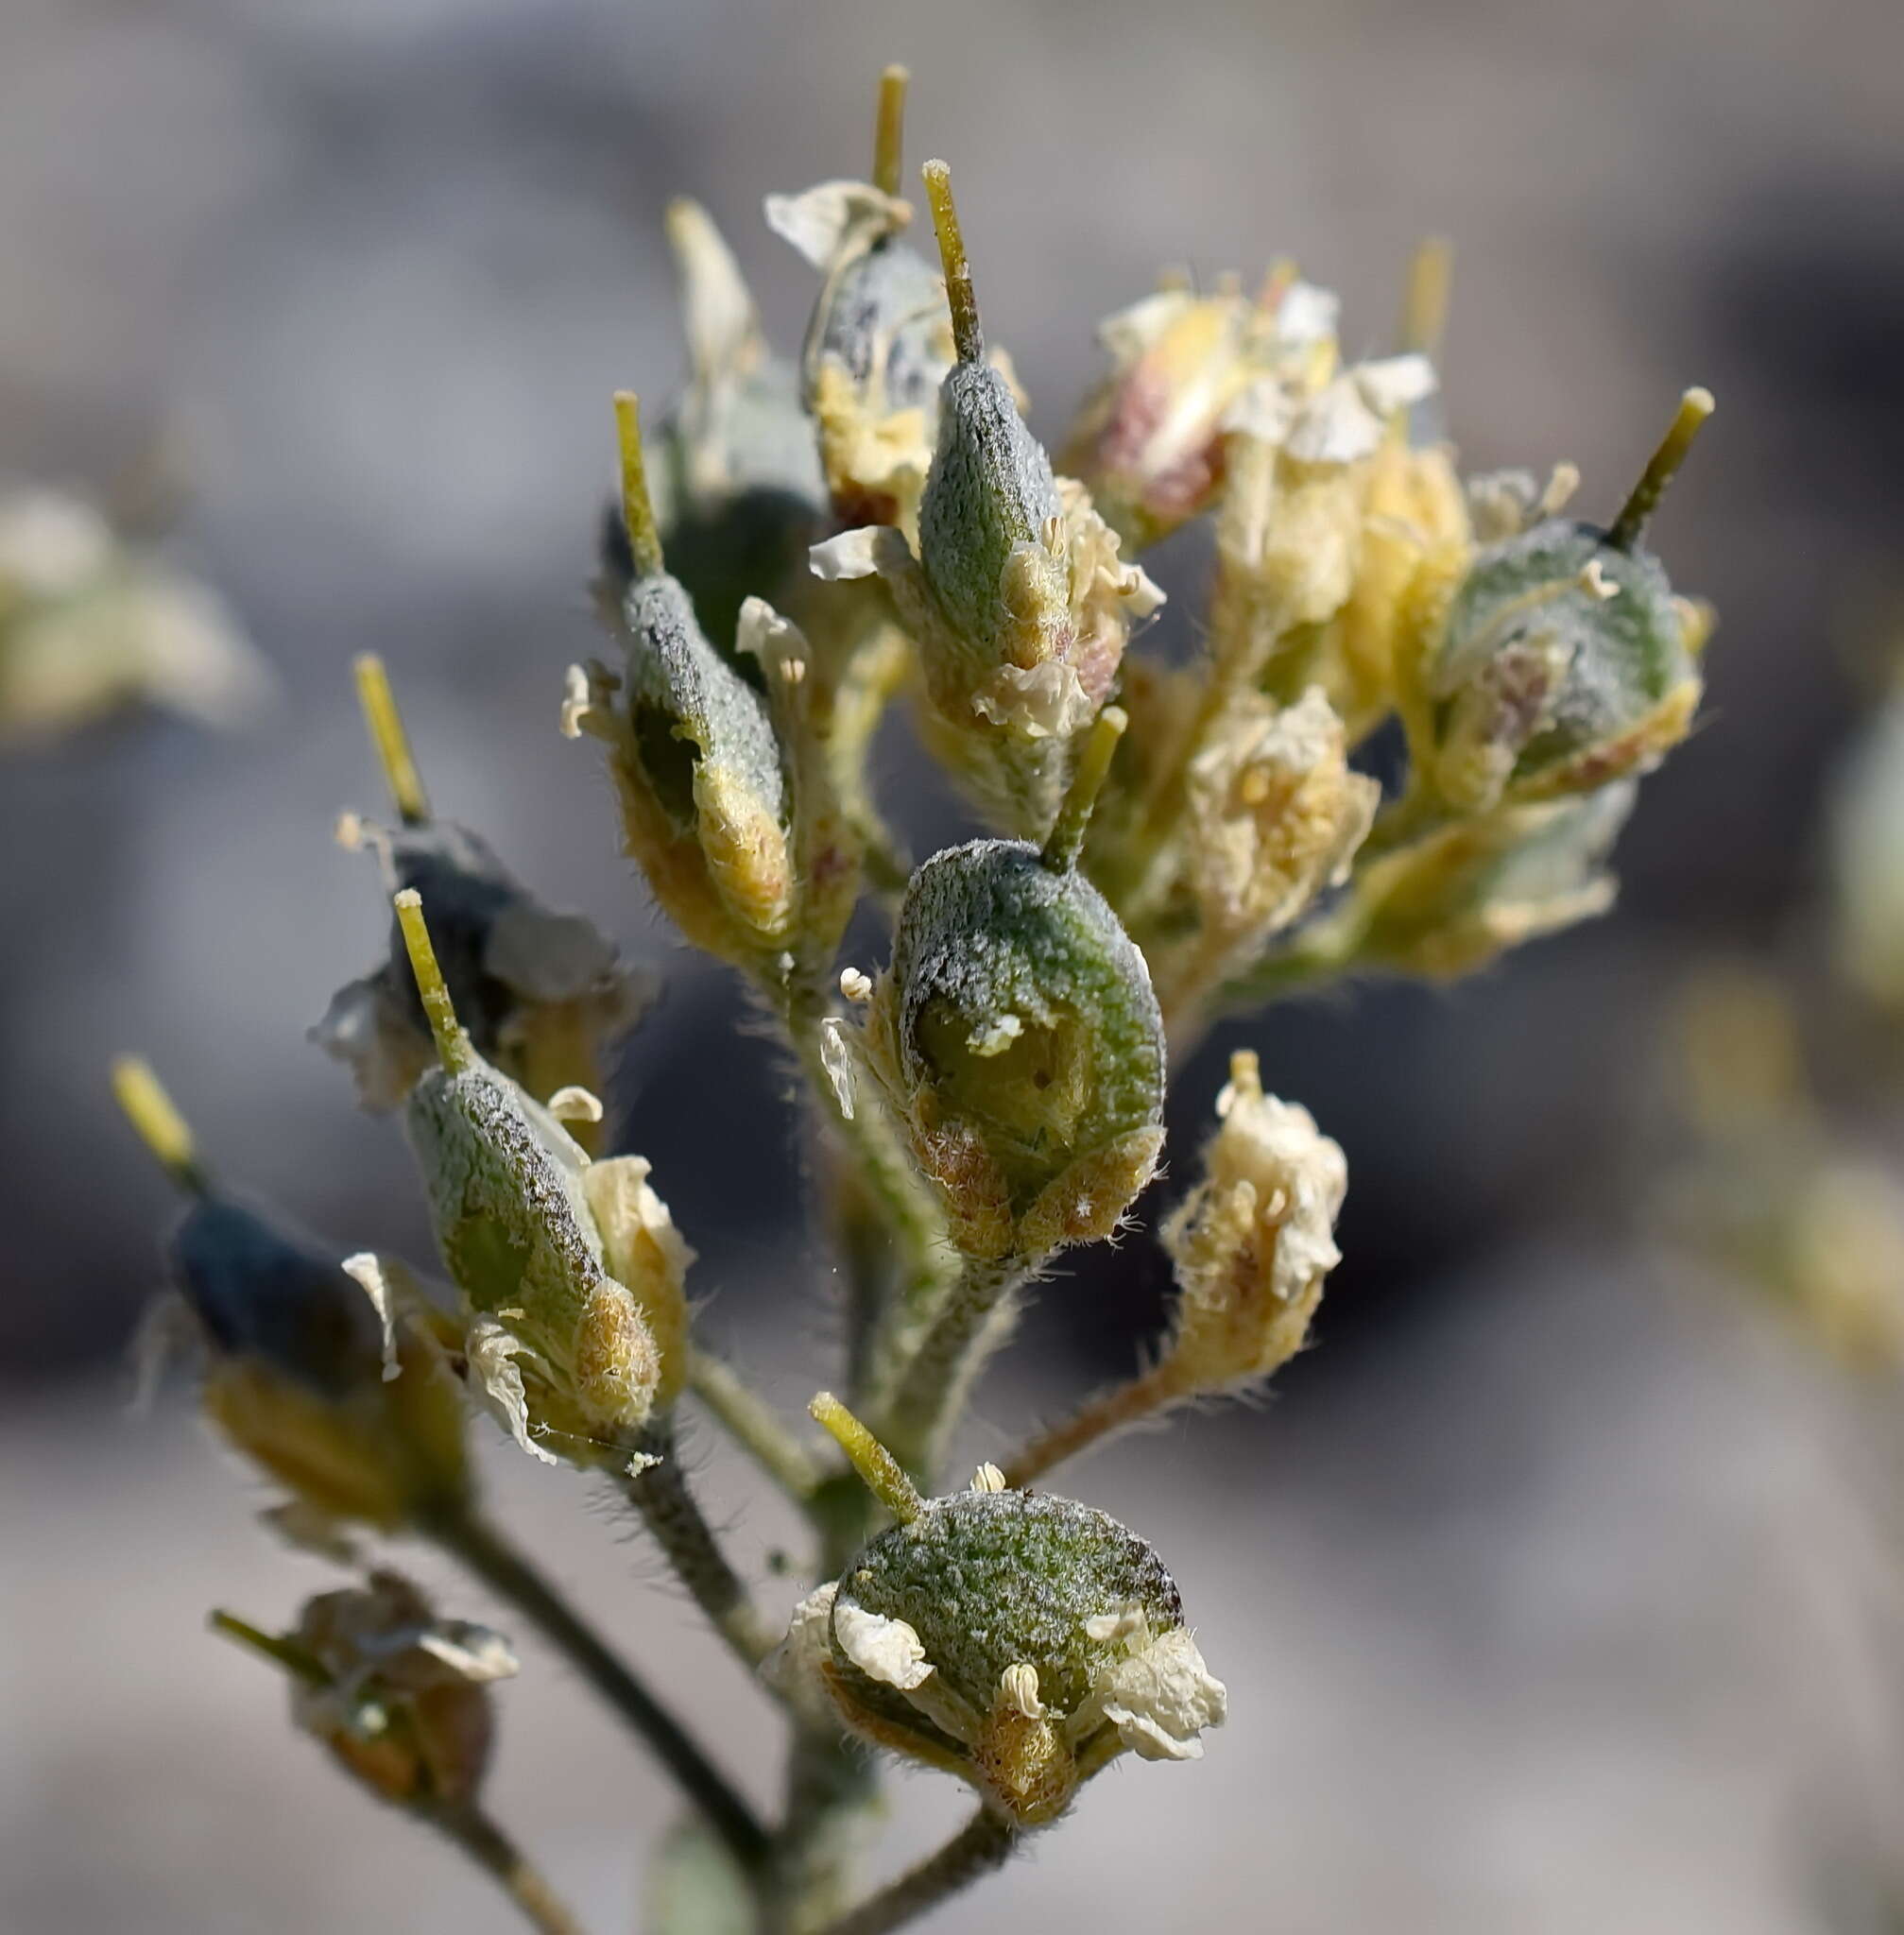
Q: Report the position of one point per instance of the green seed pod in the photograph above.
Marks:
(703, 795)
(1018, 600)
(571, 1271)
(353, 1417)
(1020, 1641)
(1017, 1034)
(1564, 661)
(399, 1696)
(542, 994)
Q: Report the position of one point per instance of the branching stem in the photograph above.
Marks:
(477, 1545)
(498, 1857)
(984, 1843)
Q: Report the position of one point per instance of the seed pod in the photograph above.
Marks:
(1564, 661)
(1018, 600)
(1018, 1034)
(399, 1696)
(570, 1353)
(1020, 1641)
(353, 1417)
(879, 343)
(738, 493)
(1452, 902)
(542, 994)
(704, 799)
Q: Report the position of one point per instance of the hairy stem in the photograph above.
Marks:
(984, 1843)
(498, 1857)
(931, 1389)
(486, 1553)
(1098, 1417)
(880, 1178)
(754, 1425)
(659, 1493)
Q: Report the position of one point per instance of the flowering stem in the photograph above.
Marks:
(477, 1545)
(1098, 1417)
(931, 1389)
(754, 1425)
(984, 1843)
(879, 1175)
(494, 1853)
(659, 1493)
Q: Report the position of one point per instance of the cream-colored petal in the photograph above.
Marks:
(1161, 1698)
(885, 1649)
(491, 1351)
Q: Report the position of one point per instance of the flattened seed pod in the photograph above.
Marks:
(570, 1354)
(353, 1415)
(1020, 1641)
(1564, 659)
(1018, 1033)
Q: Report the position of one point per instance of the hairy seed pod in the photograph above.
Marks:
(1016, 1640)
(533, 1233)
(1564, 659)
(1019, 1034)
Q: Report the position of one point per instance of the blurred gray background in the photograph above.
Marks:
(1546, 1590)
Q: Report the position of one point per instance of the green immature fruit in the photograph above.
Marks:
(697, 764)
(1564, 659)
(571, 1271)
(1018, 1640)
(1018, 1033)
(353, 1415)
(542, 994)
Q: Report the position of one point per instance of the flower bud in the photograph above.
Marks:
(542, 994)
(572, 1273)
(399, 1697)
(1253, 1242)
(1019, 1037)
(353, 1415)
(1017, 598)
(1452, 902)
(1564, 659)
(696, 765)
(1020, 1641)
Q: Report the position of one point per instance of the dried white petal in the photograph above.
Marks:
(988, 1478)
(365, 1269)
(835, 218)
(491, 1351)
(794, 1668)
(1308, 314)
(872, 551)
(885, 1649)
(837, 1058)
(574, 1105)
(1160, 1699)
(473, 1652)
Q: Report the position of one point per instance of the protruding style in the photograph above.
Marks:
(1695, 407)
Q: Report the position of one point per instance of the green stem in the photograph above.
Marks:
(477, 1545)
(754, 1425)
(1098, 1417)
(498, 1857)
(869, 1148)
(659, 1493)
(984, 1843)
(931, 1389)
